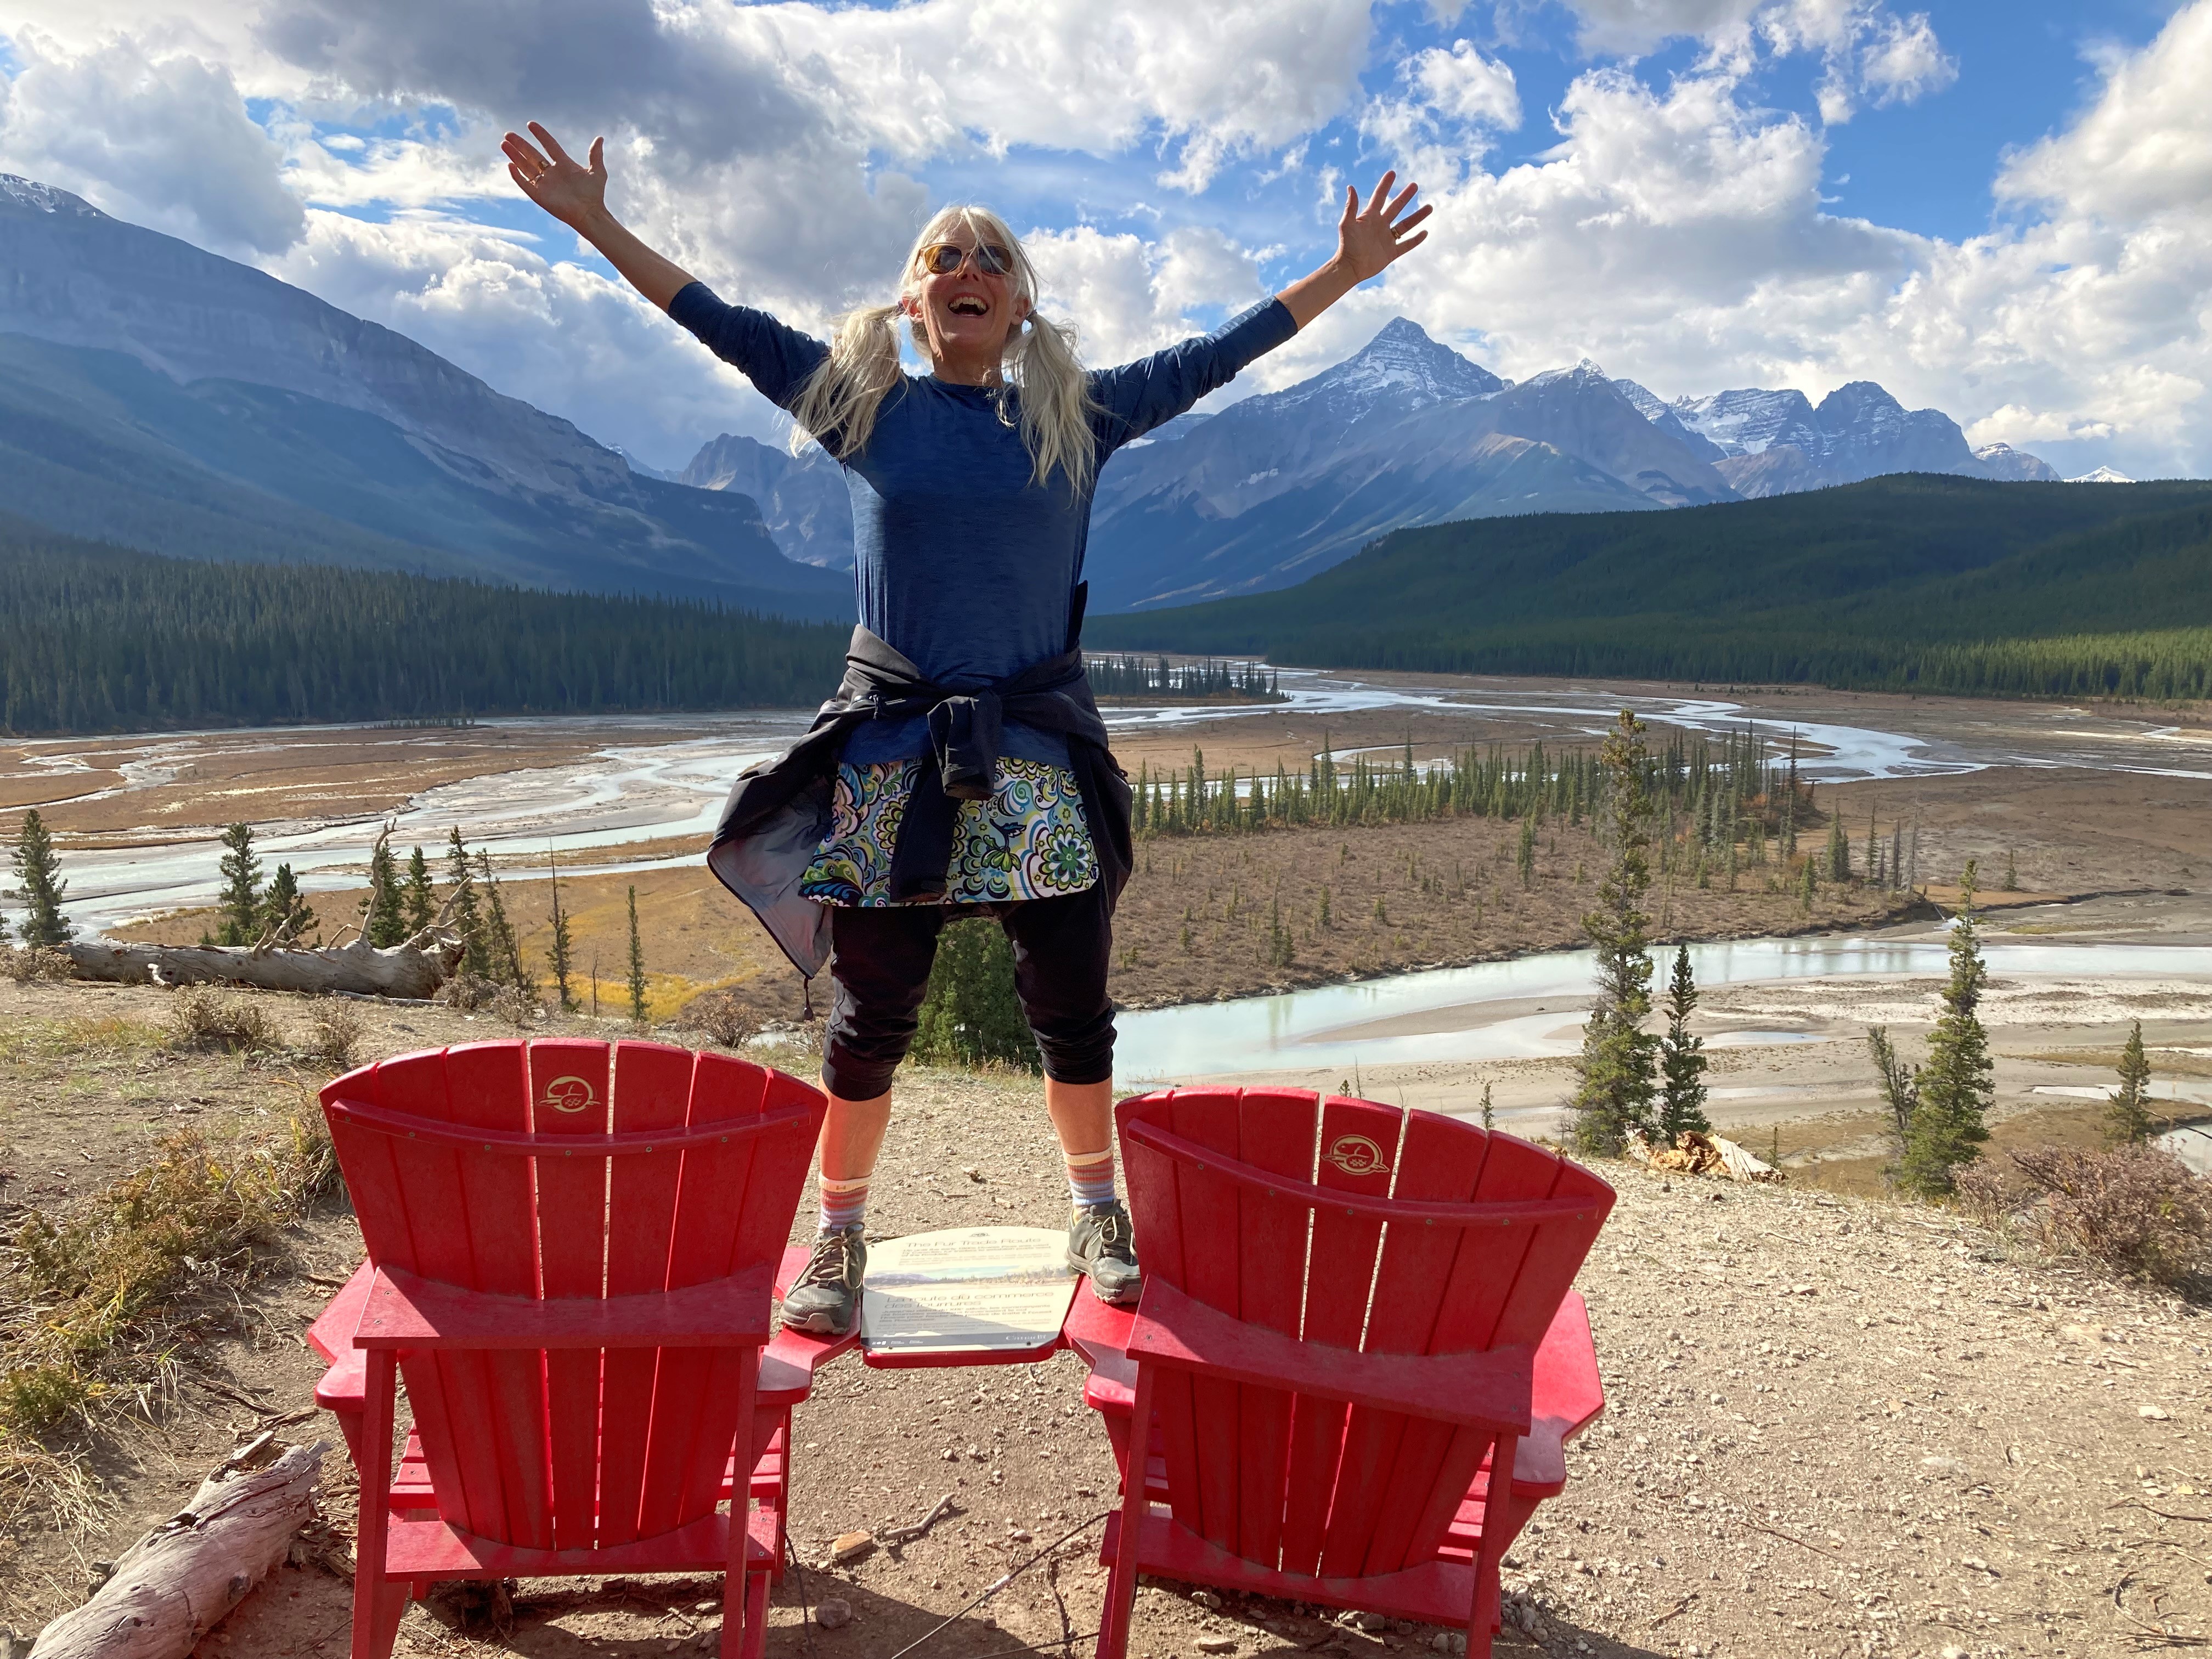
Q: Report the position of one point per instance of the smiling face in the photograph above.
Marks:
(968, 315)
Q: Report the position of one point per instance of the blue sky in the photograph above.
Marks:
(1998, 211)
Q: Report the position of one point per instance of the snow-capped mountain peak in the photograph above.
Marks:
(1744, 421)
(1402, 364)
(42, 199)
(2103, 475)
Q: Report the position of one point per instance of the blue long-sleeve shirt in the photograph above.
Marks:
(962, 561)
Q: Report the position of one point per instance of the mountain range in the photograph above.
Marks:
(159, 397)
(1408, 431)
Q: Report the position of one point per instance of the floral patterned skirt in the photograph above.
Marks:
(1029, 841)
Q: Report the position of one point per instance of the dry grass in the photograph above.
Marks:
(200, 1017)
(92, 1295)
(57, 1039)
(332, 1034)
(26, 962)
(2163, 1062)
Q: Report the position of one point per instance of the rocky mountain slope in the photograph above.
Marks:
(157, 395)
(1406, 432)
(803, 499)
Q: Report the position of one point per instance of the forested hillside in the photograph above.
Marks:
(94, 638)
(1935, 583)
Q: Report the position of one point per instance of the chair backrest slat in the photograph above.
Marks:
(652, 1096)
(572, 1449)
(711, 1196)
(488, 1087)
(1441, 1254)
(1389, 1459)
(1356, 1153)
(1275, 1132)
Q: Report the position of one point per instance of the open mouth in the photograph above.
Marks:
(968, 305)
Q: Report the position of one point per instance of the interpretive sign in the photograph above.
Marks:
(969, 1290)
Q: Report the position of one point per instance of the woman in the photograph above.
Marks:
(961, 764)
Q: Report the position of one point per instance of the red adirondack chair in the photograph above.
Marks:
(570, 1251)
(1354, 1316)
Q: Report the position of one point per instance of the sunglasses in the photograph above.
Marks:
(943, 258)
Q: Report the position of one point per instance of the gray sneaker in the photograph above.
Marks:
(1100, 1242)
(827, 1297)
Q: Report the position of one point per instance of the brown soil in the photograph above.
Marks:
(1836, 1427)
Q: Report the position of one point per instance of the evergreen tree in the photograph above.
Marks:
(2012, 871)
(387, 923)
(418, 899)
(1839, 850)
(1681, 1057)
(506, 950)
(970, 1015)
(2127, 1118)
(282, 909)
(1805, 888)
(561, 953)
(1525, 857)
(241, 888)
(1613, 1094)
(1956, 1085)
(1489, 1116)
(1900, 1084)
(476, 947)
(637, 964)
(39, 884)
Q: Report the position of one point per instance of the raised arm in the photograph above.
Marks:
(1368, 239)
(777, 359)
(1140, 396)
(576, 195)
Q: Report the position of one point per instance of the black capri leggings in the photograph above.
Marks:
(882, 955)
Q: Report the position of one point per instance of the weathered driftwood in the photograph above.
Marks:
(177, 1582)
(415, 968)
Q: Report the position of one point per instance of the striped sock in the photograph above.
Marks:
(1091, 1178)
(842, 1204)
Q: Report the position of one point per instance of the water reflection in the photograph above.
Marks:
(1446, 1013)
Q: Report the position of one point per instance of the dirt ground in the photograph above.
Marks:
(1837, 1427)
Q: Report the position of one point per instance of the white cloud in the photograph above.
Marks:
(1463, 85)
(1868, 51)
(556, 335)
(160, 138)
(1677, 236)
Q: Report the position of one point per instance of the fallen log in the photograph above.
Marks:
(415, 970)
(176, 1583)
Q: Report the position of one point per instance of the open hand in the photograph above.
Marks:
(1368, 238)
(571, 192)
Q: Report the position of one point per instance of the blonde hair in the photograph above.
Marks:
(838, 405)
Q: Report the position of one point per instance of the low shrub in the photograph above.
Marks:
(332, 1034)
(24, 962)
(2134, 1208)
(721, 1018)
(201, 1018)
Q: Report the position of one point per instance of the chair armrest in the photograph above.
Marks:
(1492, 1387)
(332, 1334)
(404, 1312)
(1567, 1398)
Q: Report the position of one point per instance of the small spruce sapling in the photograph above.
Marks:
(386, 921)
(418, 899)
(1682, 1058)
(2127, 1115)
(560, 953)
(284, 913)
(466, 914)
(241, 887)
(39, 884)
(637, 1005)
(1957, 1085)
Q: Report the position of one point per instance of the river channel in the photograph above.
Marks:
(644, 786)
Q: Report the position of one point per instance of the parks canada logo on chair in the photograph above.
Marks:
(569, 1094)
(1356, 1155)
